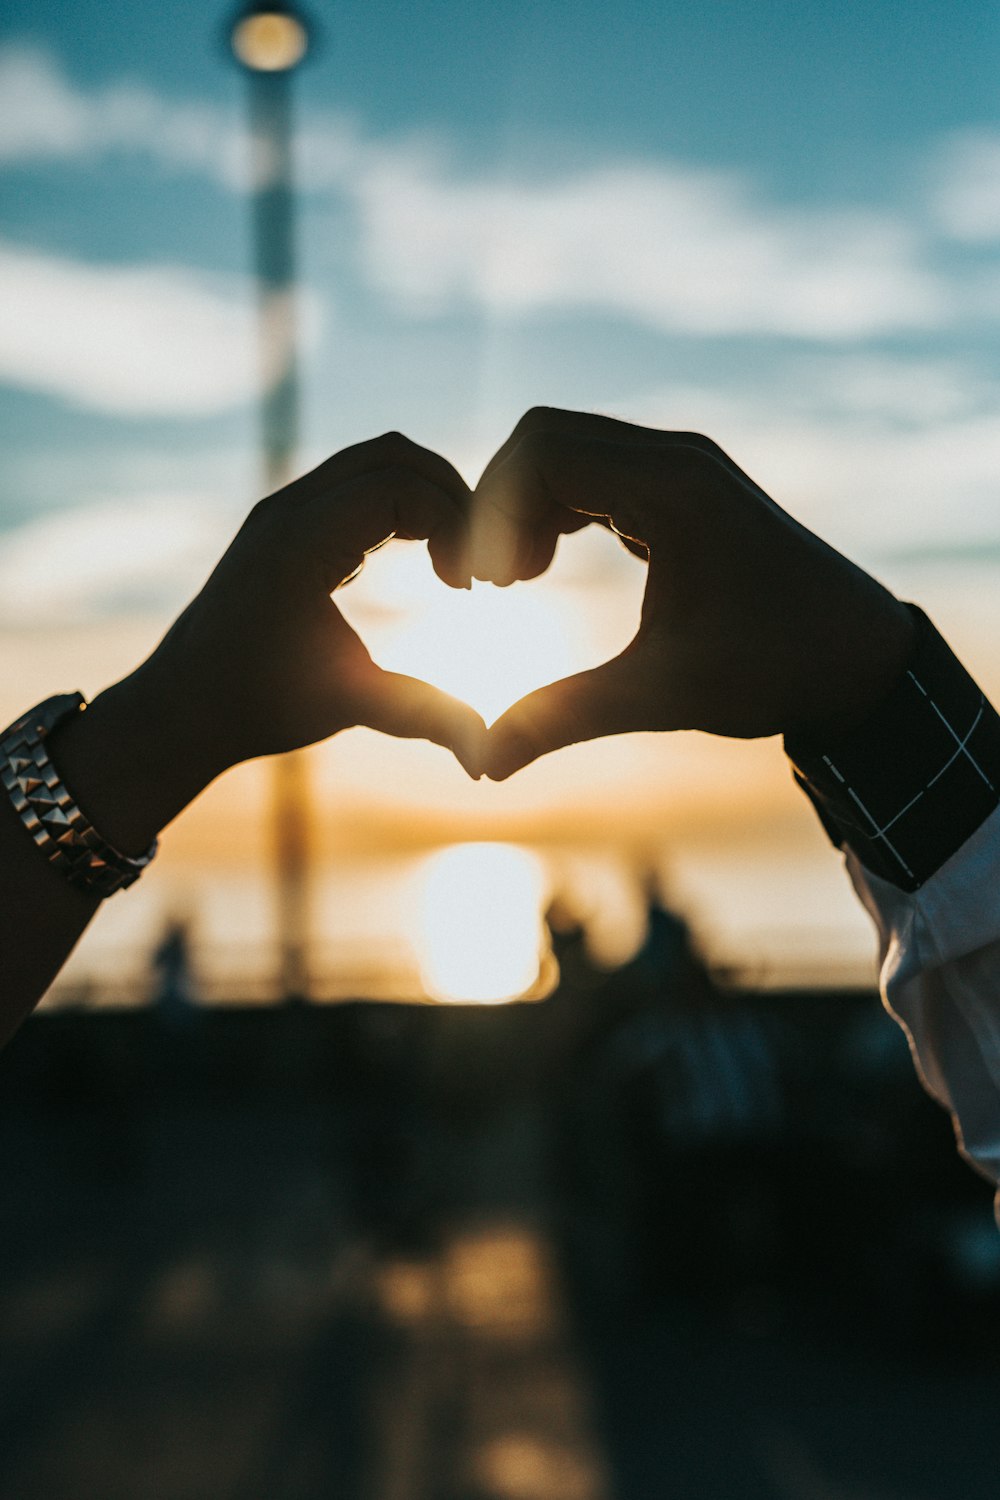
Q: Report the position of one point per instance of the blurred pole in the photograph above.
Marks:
(270, 41)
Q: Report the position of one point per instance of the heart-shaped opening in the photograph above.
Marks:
(490, 646)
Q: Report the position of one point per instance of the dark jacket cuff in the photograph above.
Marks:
(906, 788)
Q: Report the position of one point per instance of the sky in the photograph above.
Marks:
(775, 222)
(780, 219)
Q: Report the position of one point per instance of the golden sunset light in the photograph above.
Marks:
(487, 646)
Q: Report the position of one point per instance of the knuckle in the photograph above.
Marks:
(383, 451)
(262, 513)
(395, 445)
(698, 443)
(537, 417)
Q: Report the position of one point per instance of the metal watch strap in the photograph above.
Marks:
(59, 829)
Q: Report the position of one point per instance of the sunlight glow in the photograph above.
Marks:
(487, 646)
(480, 929)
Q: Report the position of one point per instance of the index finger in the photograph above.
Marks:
(337, 527)
(551, 480)
(392, 450)
(392, 453)
(516, 523)
(553, 419)
(540, 420)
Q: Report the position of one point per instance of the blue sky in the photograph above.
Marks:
(775, 222)
(778, 222)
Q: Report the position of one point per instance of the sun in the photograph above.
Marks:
(479, 928)
(487, 646)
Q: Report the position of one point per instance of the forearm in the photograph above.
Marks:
(134, 758)
(43, 916)
(126, 767)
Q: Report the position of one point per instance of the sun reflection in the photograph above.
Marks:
(480, 933)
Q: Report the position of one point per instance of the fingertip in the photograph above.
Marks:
(535, 563)
(493, 546)
(448, 573)
(508, 753)
(469, 746)
(450, 561)
(414, 709)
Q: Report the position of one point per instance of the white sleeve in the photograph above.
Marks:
(912, 796)
(940, 979)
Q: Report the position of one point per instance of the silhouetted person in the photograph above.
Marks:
(174, 987)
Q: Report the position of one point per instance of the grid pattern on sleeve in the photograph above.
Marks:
(905, 789)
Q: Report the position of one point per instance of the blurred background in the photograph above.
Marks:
(408, 1137)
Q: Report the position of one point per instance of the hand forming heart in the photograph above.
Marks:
(263, 661)
(750, 624)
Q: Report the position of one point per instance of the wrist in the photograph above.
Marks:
(907, 786)
(131, 762)
(868, 646)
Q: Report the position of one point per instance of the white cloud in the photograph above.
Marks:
(43, 115)
(890, 389)
(135, 340)
(871, 484)
(965, 186)
(660, 243)
(663, 244)
(40, 115)
(147, 552)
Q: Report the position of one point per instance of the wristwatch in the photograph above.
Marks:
(62, 833)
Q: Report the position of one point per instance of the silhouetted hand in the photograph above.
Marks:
(750, 624)
(264, 649)
(262, 660)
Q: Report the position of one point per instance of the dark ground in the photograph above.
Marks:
(705, 1247)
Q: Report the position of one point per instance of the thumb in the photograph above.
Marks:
(412, 709)
(608, 699)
